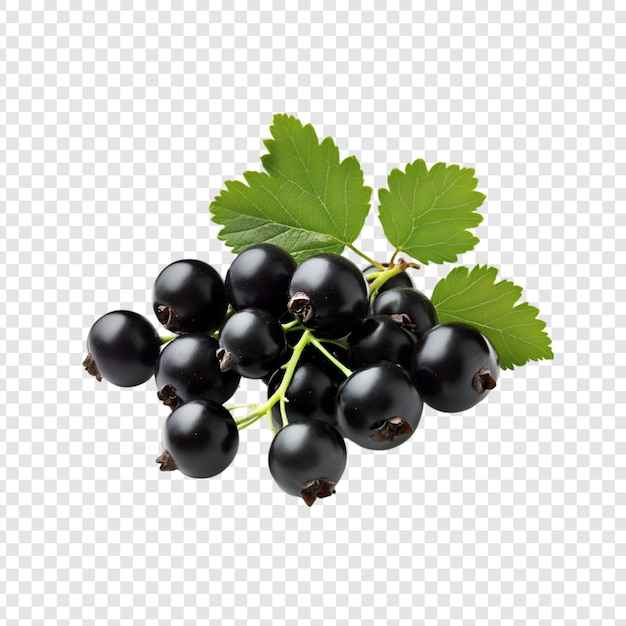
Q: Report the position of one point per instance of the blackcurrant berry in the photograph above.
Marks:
(410, 302)
(378, 406)
(454, 367)
(123, 348)
(381, 338)
(399, 280)
(259, 278)
(310, 394)
(189, 297)
(252, 342)
(329, 294)
(188, 369)
(307, 459)
(200, 439)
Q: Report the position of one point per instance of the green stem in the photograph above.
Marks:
(290, 325)
(330, 357)
(364, 256)
(262, 409)
(283, 411)
(229, 313)
(336, 342)
(270, 422)
(380, 278)
(244, 405)
(393, 256)
(241, 424)
(167, 339)
(383, 277)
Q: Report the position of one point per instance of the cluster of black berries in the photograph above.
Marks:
(344, 353)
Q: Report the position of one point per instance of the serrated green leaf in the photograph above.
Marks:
(307, 202)
(426, 213)
(476, 299)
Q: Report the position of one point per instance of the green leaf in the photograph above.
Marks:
(476, 299)
(426, 213)
(307, 200)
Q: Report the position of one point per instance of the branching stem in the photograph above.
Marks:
(318, 344)
(290, 368)
(364, 256)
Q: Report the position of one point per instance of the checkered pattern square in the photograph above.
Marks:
(120, 122)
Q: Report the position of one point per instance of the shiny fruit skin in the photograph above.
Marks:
(371, 399)
(189, 364)
(310, 394)
(259, 278)
(447, 366)
(201, 437)
(125, 348)
(379, 338)
(189, 297)
(336, 293)
(254, 342)
(306, 451)
(411, 302)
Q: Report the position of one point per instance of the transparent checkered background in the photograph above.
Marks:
(119, 126)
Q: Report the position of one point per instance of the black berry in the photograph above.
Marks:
(259, 278)
(454, 367)
(378, 406)
(252, 343)
(200, 439)
(188, 369)
(381, 338)
(123, 348)
(410, 302)
(310, 394)
(189, 297)
(307, 459)
(329, 294)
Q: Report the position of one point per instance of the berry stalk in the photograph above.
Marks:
(336, 362)
(364, 256)
(279, 394)
(380, 278)
(167, 339)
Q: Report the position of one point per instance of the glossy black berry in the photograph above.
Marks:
(410, 302)
(252, 342)
(381, 338)
(307, 459)
(329, 294)
(123, 348)
(310, 394)
(378, 406)
(454, 367)
(259, 278)
(200, 439)
(399, 280)
(188, 369)
(189, 297)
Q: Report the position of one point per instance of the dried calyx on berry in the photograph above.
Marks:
(329, 294)
(454, 367)
(189, 297)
